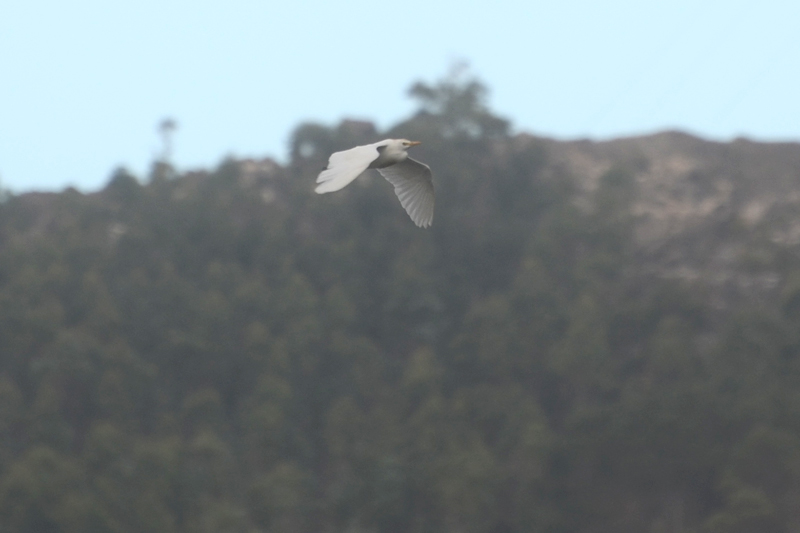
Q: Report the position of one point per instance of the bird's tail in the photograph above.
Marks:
(333, 179)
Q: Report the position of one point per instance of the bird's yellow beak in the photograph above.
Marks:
(414, 143)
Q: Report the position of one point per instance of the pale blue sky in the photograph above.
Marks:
(83, 84)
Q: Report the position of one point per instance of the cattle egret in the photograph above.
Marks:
(412, 180)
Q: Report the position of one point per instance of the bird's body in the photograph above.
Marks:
(412, 180)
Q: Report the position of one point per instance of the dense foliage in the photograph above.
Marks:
(227, 351)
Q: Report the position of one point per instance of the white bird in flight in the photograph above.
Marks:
(412, 180)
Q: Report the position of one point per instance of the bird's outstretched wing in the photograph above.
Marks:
(344, 167)
(413, 185)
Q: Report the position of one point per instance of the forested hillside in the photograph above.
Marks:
(592, 337)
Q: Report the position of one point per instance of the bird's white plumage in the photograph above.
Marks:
(413, 185)
(412, 180)
(344, 167)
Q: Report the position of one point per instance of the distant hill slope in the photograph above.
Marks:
(592, 337)
(700, 204)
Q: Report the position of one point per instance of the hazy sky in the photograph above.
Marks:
(83, 84)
